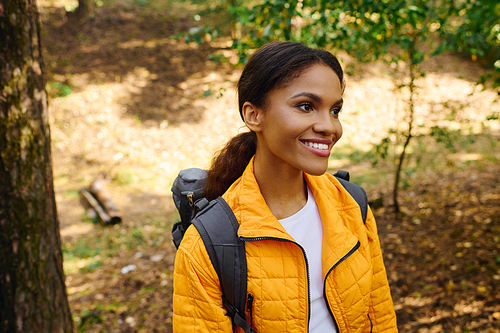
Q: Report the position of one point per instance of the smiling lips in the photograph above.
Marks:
(320, 147)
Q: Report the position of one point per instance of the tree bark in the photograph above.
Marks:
(85, 8)
(33, 295)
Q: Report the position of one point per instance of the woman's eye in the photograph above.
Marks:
(336, 111)
(306, 107)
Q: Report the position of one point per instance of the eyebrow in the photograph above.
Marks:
(315, 97)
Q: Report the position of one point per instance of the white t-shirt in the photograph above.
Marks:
(306, 228)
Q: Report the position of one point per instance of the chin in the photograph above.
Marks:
(317, 171)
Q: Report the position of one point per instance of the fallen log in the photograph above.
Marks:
(98, 198)
(100, 192)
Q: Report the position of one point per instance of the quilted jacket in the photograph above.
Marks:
(355, 287)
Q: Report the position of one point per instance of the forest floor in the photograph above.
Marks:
(129, 103)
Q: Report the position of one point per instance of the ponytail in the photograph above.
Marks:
(229, 164)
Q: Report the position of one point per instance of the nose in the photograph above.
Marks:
(326, 124)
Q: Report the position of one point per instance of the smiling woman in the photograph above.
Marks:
(297, 127)
(314, 264)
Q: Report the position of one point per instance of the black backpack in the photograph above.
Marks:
(218, 229)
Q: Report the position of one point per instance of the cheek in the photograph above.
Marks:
(340, 130)
(285, 126)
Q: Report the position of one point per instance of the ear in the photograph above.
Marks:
(252, 116)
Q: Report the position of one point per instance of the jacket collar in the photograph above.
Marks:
(252, 212)
(256, 219)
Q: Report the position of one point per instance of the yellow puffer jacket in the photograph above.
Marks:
(356, 286)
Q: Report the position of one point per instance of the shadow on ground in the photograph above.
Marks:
(121, 40)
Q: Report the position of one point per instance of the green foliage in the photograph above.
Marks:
(92, 266)
(477, 29)
(198, 34)
(147, 290)
(443, 135)
(352, 154)
(367, 29)
(96, 249)
(382, 149)
(123, 177)
(476, 32)
(493, 116)
(137, 120)
(89, 253)
(218, 94)
(57, 89)
(142, 3)
(137, 234)
(80, 250)
(217, 58)
(87, 318)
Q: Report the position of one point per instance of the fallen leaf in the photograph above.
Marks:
(481, 289)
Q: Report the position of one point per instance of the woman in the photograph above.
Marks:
(313, 265)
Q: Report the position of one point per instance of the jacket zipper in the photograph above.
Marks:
(249, 307)
(348, 254)
(307, 267)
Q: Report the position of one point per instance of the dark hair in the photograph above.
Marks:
(271, 67)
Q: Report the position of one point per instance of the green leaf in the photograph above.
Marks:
(197, 38)
(177, 35)
(494, 116)
(267, 30)
(57, 89)
(215, 34)
(439, 50)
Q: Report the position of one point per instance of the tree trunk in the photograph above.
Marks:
(32, 291)
(411, 111)
(85, 7)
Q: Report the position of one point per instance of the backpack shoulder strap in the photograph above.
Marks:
(218, 229)
(355, 191)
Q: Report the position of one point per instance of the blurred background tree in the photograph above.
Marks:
(85, 7)
(32, 290)
(476, 33)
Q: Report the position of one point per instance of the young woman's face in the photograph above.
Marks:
(300, 123)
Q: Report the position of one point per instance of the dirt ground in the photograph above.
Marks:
(136, 112)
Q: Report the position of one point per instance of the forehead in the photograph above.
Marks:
(317, 79)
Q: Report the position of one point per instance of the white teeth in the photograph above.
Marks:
(317, 145)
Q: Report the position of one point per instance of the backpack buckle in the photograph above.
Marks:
(190, 197)
(200, 204)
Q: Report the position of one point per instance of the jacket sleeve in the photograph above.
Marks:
(197, 296)
(381, 311)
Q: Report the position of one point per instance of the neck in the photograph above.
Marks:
(281, 186)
